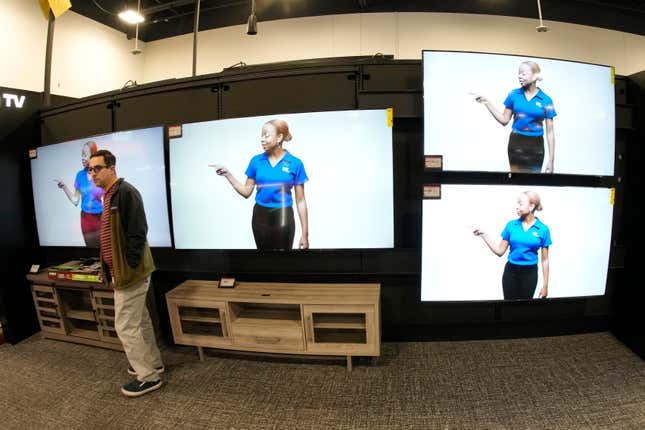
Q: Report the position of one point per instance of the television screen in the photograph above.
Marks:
(68, 204)
(508, 113)
(328, 171)
(480, 243)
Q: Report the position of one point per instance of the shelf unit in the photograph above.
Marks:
(75, 311)
(289, 318)
(104, 311)
(47, 309)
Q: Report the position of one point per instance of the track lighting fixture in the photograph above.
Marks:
(252, 22)
(136, 50)
(541, 28)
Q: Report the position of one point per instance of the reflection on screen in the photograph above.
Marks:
(68, 204)
(341, 162)
(459, 265)
(469, 96)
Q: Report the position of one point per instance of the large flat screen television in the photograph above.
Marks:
(463, 230)
(69, 205)
(504, 113)
(340, 162)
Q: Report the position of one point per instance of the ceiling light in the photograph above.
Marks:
(131, 17)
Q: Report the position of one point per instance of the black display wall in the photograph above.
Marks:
(336, 84)
(19, 131)
(628, 318)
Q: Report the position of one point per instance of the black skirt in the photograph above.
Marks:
(519, 282)
(273, 228)
(525, 153)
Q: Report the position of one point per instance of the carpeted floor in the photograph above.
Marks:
(588, 381)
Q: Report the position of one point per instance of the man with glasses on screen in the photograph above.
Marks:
(126, 265)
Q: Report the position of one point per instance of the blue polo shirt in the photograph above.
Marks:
(528, 115)
(274, 183)
(525, 244)
(91, 195)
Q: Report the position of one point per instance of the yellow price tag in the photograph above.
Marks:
(613, 75)
(390, 117)
(612, 196)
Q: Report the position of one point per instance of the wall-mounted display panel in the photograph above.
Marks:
(342, 160)
(469, 96)
(68, 204)
(574, 225)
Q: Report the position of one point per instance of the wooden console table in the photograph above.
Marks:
(291, 318)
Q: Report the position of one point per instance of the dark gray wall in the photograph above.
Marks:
(350, 83)
(19, 131)
(628, 318)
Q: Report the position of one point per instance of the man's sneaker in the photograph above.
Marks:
(138, 388)
(159, 369)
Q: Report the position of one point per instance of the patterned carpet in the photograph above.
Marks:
(588, 381)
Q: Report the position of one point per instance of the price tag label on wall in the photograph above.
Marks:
(432, 191)
(433, 162)
(174, 131)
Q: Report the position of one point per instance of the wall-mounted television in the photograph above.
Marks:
(340, 161)
(69, 205)
(574, 225)
(504, 113)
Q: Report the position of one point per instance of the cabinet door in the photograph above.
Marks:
(342, 329)
(104, 309)
(199, 322)
(47, 309)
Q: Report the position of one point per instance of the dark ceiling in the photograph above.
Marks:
(166, 18)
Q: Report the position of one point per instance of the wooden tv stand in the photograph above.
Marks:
(75, 311)
(287, 318)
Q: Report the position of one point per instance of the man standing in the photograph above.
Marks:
(126, 264)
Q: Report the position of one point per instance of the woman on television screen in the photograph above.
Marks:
(525, 236)
(532, 112)
(274, 173)
(90, 197)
